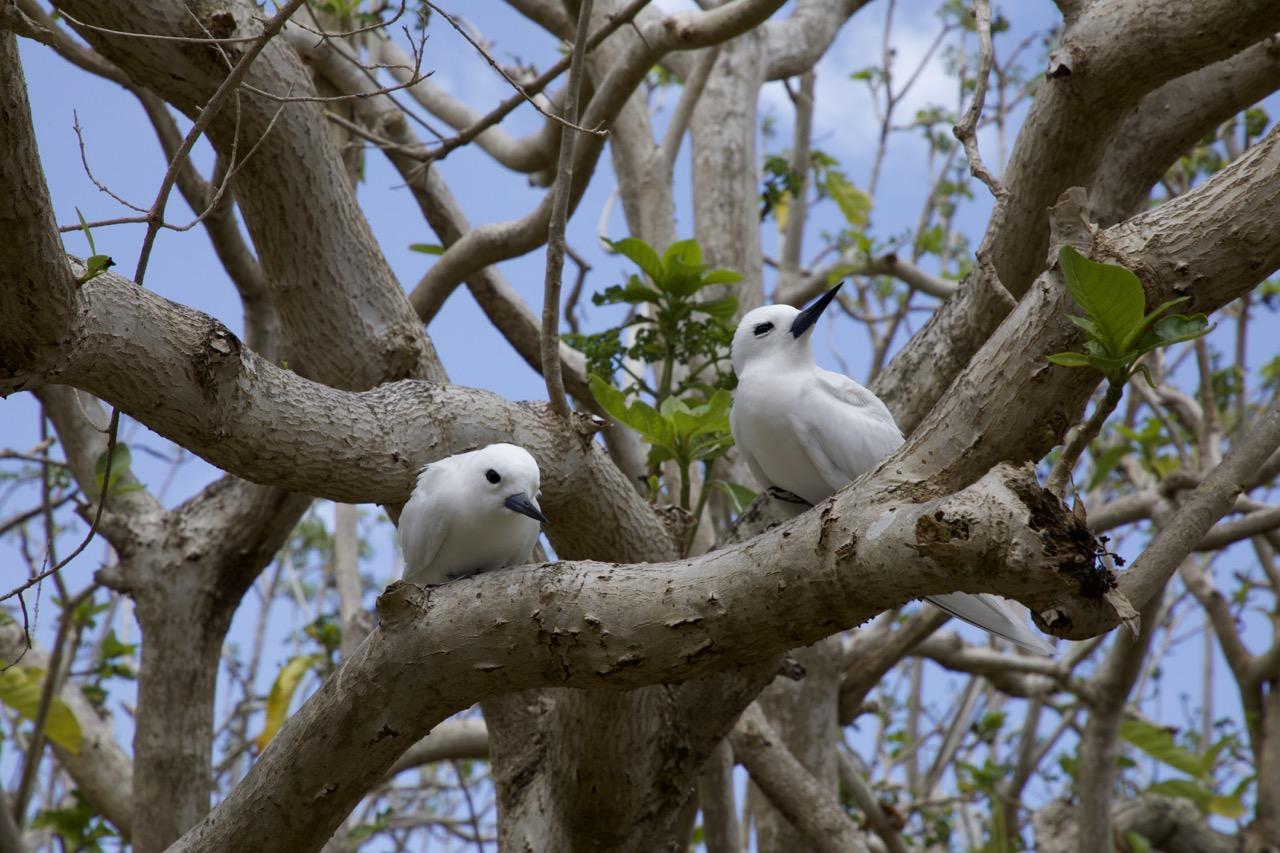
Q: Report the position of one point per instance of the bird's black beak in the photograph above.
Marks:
(519, 502)
(810, 315)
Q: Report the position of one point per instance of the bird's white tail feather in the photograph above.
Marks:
(992, 614)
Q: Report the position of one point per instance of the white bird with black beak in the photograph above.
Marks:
(806, 433)
(470, 513)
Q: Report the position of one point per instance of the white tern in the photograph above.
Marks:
(470, 513)
(806, 433)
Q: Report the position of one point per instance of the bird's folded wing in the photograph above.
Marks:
(424, 527)
(845, 429)
(994, 615)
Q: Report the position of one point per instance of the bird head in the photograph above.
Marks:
(777, 333)
(504, 477)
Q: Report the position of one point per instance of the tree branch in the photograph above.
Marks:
(550, 337)
(809, 806)
(655, 623)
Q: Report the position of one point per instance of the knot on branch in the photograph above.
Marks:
(216, 359)
(399, 602)
(1061, 64)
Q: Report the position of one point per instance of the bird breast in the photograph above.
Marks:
(764, 424)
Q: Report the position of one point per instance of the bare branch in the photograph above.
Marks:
(550, 339)
(689, 97)
(967, 130)
(811, 808)
(1176, 539)
(580, 40)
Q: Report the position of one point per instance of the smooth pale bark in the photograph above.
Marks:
(1169, 121)
(726, 196)
(1108, 59)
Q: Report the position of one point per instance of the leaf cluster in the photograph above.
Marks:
(1117, 329)
(1198, 785)
(79, 827)
(675, 430)
(672, 326)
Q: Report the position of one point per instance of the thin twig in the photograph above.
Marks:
(550, 341)
(113, 430)
(211, 109)
(966, 130)
(324, 36)
(569, 119)
(1080, 439)
(531, 89)
(575, 293)
(47, 690)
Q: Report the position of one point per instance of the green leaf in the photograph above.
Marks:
(1187, 789)
(641, 254)
(121, 459)
(639, 415)
(281, 695)
(1070, 359)
(1226, 806)
(722, 309)
(1159, 744)
(1181, 327)
(1173, 329)
(1105, 463)
(427, 248)
(1137, 843)
(1090, 327)
(722, 276)
(686, 253)
(636, 293)
(740, 497)
(1151, 318)
(853, 202)
(20, 689)
(1111, 295)
(88, 235)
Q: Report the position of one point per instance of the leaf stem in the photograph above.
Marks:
(1081, 437)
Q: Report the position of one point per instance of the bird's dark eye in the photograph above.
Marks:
(762, 329)
(493, 476)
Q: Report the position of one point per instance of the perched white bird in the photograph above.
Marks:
(470, 513)
(806, 433)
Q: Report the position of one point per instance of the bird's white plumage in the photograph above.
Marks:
(457, 521)
(811, 432)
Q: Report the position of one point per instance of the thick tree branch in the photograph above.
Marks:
(1170, 120)
(1108, 61)
(37, 284)
(657, 623)
(452, 740)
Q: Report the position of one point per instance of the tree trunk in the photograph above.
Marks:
(173, 738)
